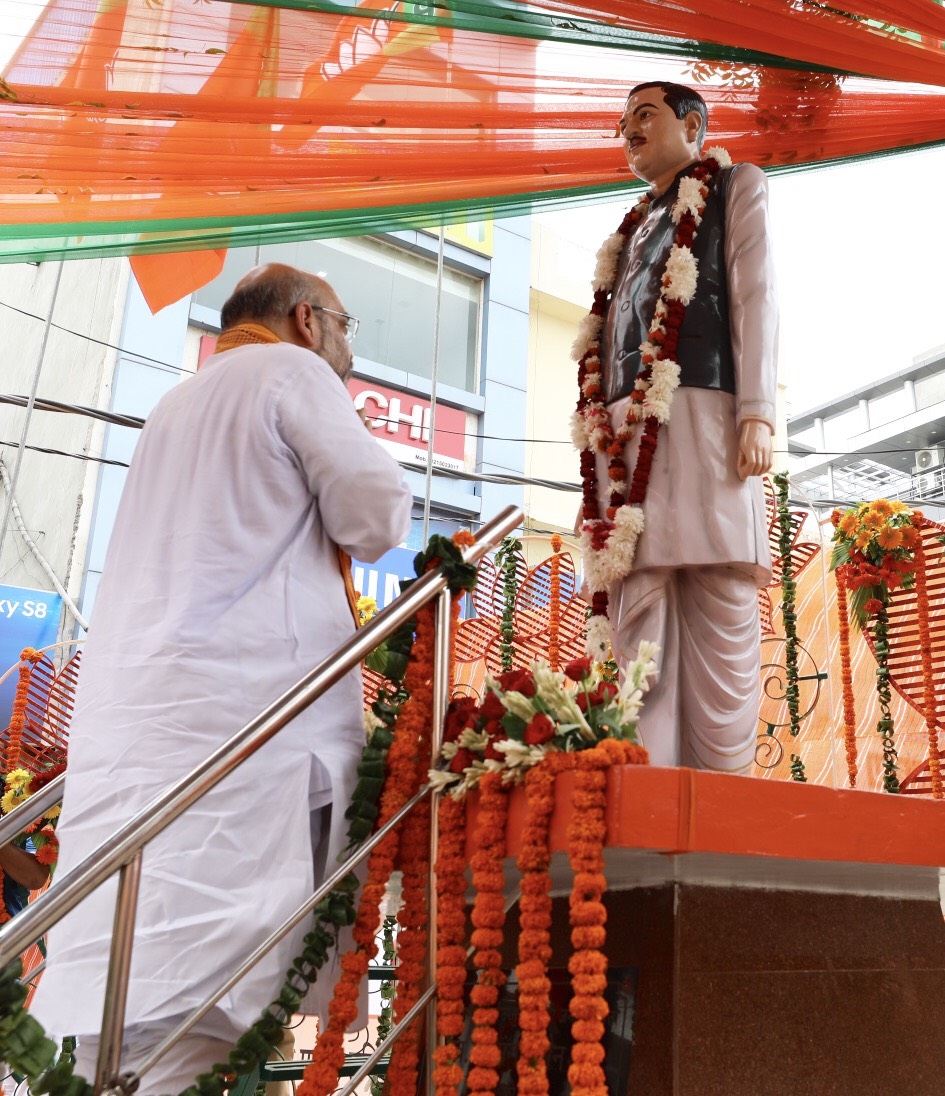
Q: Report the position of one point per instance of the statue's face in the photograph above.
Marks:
(656, 143)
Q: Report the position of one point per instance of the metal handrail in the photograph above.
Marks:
(117, 854)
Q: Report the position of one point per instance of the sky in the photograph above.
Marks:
(859, 252)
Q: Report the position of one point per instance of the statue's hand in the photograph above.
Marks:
(754, 448)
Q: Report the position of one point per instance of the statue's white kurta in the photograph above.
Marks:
(221, 588)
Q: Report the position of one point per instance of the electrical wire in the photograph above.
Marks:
(439, 430)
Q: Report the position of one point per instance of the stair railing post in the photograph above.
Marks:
(119, 969)
(442, 673)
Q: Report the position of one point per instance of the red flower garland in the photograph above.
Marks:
(488, 918)
(846, 675)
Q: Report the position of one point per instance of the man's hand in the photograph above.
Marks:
(23, 867)
(754, 448)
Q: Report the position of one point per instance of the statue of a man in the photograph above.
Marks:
(675, 419)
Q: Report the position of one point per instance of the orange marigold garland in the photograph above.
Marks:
(554, 607)
(11, 755)
(488, 918)
(534, 941)
(321, 1075)
(414, 862)
(450, 877)
(846, 677)
(588, 964)
(450, 944)
(930, 703)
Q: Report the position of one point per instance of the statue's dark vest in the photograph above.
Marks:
(705, 351)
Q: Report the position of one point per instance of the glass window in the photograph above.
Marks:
(392, 292)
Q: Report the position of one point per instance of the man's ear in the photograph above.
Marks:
(306, 326)
(693, 123)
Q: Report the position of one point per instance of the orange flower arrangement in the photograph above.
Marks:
(11, 756)
(534, 941)
(588, 964)
(450, 944)
(930, 704)
(488, 918)
(414, 863)
(321, 1075)
(846, 677)
(450, 912)
(554, 607)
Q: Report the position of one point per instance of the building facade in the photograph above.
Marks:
(884, 440)
(80, 333)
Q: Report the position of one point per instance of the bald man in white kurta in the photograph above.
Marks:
(222, 588)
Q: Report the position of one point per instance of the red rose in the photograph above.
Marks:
(518, 681)
(607, 690)
(492, 707)
(463, 712)
(582, 701)
(496, 733)
(873, 605)
(578, 669)
(462, 760)
(540, 729)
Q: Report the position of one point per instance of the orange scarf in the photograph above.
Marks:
(251, 334)
(244, 334)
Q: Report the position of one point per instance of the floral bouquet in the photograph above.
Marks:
(17, 786)
(527, 714)
(874, 552)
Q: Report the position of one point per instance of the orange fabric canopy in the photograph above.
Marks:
(142, 126)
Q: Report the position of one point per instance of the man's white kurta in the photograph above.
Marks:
(221, 588)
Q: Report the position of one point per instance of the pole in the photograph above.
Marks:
(433, 375)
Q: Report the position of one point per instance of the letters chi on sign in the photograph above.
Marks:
(28, 618)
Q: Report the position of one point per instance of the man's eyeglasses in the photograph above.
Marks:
(351, 322)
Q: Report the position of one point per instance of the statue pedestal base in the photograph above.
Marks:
(764, 938)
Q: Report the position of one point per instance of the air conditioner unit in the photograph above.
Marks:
(925, 485)
(926, 460)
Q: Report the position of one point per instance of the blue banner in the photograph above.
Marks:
(28, 618)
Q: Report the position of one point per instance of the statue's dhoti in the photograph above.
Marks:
(702, 707)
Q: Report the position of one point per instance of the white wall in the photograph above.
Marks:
(55, 493)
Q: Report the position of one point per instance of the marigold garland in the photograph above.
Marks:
(930, 702)
(321, 1075)
(488, 918)
(846, 678)
(450, 944)
(11, 754)
(414, 863)
(407, 761)
(554, 606)
(534, 941)
(588, 964)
